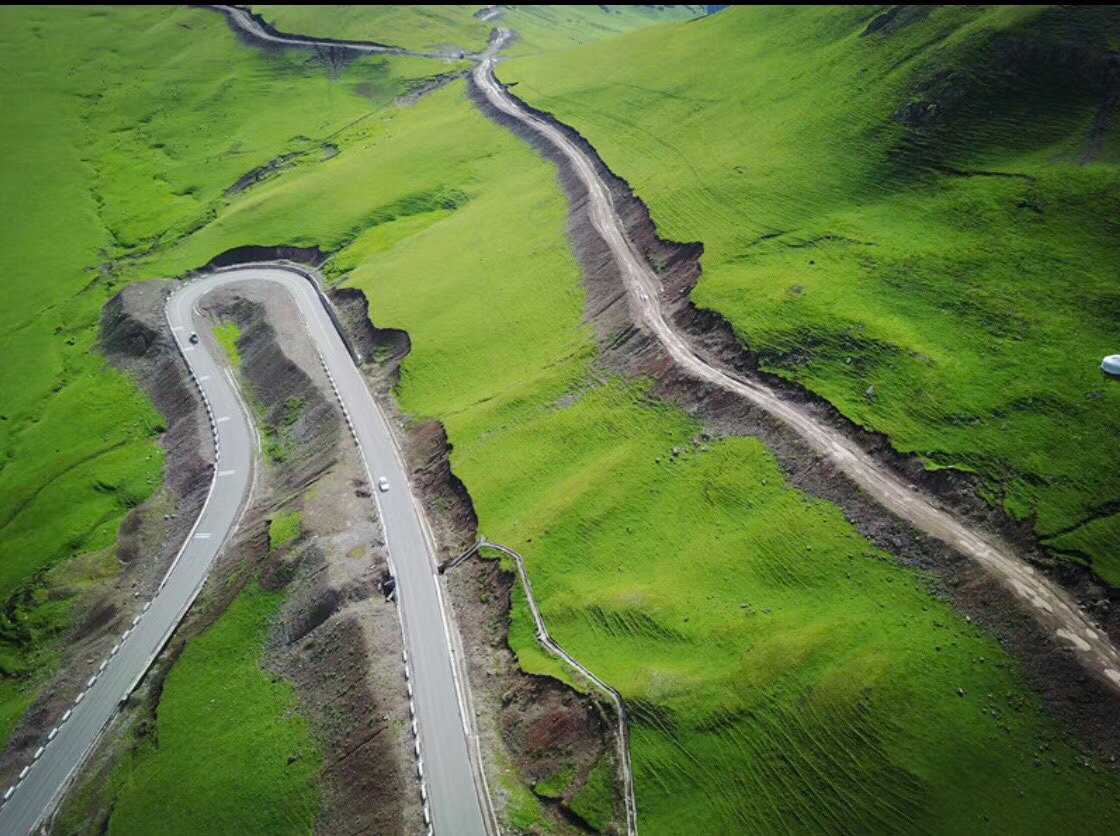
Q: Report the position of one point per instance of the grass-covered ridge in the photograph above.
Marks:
(914, 215)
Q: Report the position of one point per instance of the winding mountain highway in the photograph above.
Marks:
(450, 781)
(1051, 606)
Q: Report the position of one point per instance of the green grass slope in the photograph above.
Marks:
(423, 28)
(912, 214)
(125, 130)
(228, 752)
(783, 675)
(77, 442)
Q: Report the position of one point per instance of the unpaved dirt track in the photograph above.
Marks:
(439, 695)
(243, 20)
(1052, 606)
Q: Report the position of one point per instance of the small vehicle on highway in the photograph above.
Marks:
(193, 338)
(383, 484)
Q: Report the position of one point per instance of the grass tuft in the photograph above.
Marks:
(283, 528)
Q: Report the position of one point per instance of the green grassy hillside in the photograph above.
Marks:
(795, 625)
(422, 28)
(229, 753)
(125, 128)
(77, 442)
(782, 673)
(913, 215)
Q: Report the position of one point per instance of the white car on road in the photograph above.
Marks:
(383, 484)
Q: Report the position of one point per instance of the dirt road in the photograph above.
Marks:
(1053, 608)
(254, 28)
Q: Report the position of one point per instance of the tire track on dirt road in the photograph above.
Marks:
(1051, 606)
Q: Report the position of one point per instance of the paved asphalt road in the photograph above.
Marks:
(447, 768)
(1052, 606)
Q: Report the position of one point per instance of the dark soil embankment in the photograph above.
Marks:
(1085, 702)
(135, 339)
(251, 253)
(545, 727)
(386, 346)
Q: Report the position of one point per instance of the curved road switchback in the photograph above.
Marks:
(447, 774)
(35, 796)
(1051, 606)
